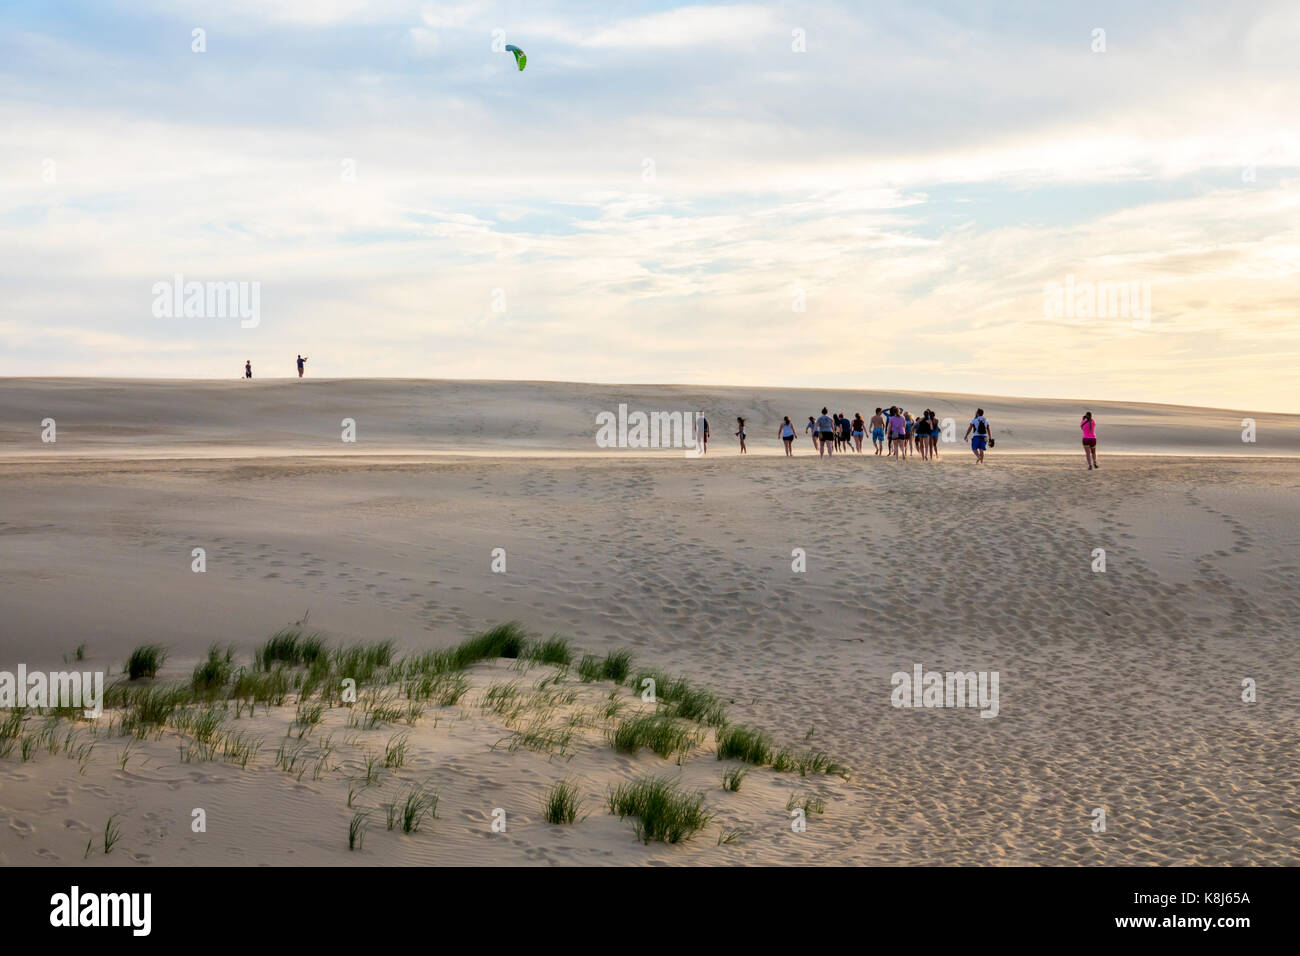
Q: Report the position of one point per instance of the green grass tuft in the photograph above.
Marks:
(561, 804)
(145, 661)
(658, 732)
(664, 812)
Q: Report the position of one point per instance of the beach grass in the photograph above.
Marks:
(732, 779)
(615, 666)
(145, 661)
(680, 697)
(420, 802)
(737, 742)
(291, 647)
(112, 834)
(663, 811)
(357, 831)
(215, 672)
(561, 803)
(658, 732)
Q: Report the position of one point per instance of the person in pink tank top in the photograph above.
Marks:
(1089, 428)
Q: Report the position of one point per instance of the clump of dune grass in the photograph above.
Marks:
(501, 698)
(269, 687)
(441, 689)
(505, 640)
(395, 752)
(561, 803)
(737, 742)
(541, 737)
(680, 698)
(357, 831)
(289, 646)
(11, 730)
(307, 716)
(613, 666)
(112, 833)
(732, 779)
(807, 762)
(145, 661)
(362, 663)
(663, 811)
(145, 710)
(420, 802)
(215, 672)
(727, 836)
(554, 651)
(240, 748)
(809, 803)
(658, 732)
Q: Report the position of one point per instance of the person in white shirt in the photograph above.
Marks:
(787, 436)
(983, 435)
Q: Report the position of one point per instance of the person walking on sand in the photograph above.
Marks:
(934, 433)
(897, 431)
(878, 431)
(740, 432)
(248, 369)
(859, 429)
(1089, 427)
(811, 429)
(301, 362)
(826, 425)
(701, 434)
(787, 436)
(921, 434)
(983, 433)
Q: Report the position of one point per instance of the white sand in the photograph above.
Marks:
(1118, 690)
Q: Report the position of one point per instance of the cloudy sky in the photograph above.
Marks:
(849, 195)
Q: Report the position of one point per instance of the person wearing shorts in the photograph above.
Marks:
(787, 436)
(878, 431)
(922, 436)
(897, 431)
(979, 425)
(1089, 427)
(826, 425)
(811, 429)
(859, 429)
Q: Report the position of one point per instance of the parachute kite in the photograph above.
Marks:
(520, 58)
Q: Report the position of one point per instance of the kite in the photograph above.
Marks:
(520, 58)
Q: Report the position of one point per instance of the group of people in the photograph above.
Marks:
(302, 364)
(897, 433)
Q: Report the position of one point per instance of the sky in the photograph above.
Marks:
(847, 195)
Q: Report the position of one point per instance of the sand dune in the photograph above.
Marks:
(1119, 690)
(129, 418)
